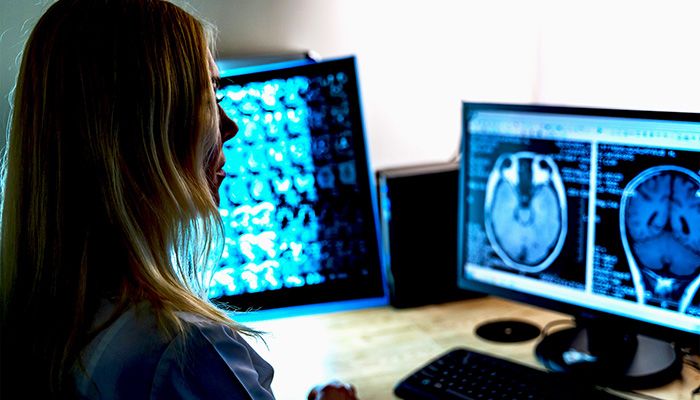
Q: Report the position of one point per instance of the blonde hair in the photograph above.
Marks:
(105, 190)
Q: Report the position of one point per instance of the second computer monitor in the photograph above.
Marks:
(586, 210)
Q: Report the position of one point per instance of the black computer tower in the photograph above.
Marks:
(418, 217)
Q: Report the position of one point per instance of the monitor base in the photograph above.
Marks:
(610, 358)
(507, 331)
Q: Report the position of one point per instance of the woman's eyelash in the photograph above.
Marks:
(216, 83)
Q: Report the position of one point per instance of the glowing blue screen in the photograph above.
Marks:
(295, 211)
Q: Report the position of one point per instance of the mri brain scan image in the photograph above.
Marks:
(525, 210)
(660, 230)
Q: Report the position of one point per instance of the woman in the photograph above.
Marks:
(110, 210)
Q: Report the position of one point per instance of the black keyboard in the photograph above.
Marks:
(466, 374)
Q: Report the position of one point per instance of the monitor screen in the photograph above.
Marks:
(583, 209)
(298, 202)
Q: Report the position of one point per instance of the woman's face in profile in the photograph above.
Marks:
(227, 130)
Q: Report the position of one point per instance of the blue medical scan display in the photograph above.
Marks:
(297, 201)
(598, 209)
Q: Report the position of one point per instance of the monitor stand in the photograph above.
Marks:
(611, 356)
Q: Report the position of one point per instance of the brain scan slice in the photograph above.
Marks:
(525, 210)
(660, 231)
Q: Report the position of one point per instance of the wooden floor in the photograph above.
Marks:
(374, 348)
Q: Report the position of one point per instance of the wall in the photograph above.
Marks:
(419, 59)
(623, 54)
(17, 17)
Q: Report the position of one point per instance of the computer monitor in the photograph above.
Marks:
(594, 212)
(298, 201)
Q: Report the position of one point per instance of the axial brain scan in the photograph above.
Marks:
(525, 210)
(659, 220)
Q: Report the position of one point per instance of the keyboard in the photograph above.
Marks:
(467, 374)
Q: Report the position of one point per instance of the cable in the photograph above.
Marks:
(546, 329)
(689, 360)
(636, 395)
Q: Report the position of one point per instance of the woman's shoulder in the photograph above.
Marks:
(206, 359)
(219, 353)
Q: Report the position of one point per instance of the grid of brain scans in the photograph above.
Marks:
(296, 202)
(603, 212)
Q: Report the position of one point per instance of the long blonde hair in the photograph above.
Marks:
(105, 194)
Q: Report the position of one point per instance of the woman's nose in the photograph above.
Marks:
(227, 127)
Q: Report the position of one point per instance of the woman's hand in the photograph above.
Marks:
(335, 390)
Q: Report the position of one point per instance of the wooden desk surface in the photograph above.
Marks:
(374, 348)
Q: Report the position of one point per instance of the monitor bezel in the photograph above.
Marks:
(578, 312)
(334, 293)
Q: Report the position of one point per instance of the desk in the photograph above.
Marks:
(374, 348)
